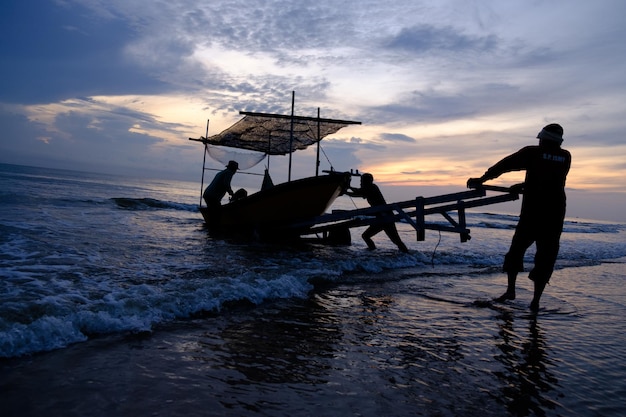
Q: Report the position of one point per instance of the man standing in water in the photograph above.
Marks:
(214, 193)
(543, 208)
(374, 197)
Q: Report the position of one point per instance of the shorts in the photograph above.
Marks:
(546, 235)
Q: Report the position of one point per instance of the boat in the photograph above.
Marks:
(271, 212)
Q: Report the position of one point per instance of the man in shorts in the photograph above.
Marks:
(543, 207)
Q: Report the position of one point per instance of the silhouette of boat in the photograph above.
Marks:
(269, 213)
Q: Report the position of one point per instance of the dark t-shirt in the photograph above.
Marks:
(219, 186)
(371, 193)
(546, 170)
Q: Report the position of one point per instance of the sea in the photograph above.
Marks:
(115, 301)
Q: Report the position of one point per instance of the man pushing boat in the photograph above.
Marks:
(374, 197)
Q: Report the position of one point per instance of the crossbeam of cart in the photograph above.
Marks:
(413, 212)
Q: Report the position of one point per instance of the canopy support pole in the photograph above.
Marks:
(206, 150)
(293, 99)
(319, 139)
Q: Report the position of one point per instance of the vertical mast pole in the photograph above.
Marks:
(293, 98)
(317, 160)
(269, 148)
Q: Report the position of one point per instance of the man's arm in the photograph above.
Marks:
(514, 162)
(354, 192)
(227, 179)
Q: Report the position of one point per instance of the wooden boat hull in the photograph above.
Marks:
(269, 213)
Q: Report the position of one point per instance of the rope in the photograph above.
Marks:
(238, 172)
(353, 203)
(327, 159)
(432, 258)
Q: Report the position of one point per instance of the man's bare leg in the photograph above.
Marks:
(510, 289)
(539, 287)
(368, 240)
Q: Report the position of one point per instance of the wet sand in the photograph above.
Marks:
(402, 345)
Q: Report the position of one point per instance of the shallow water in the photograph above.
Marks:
(407, 344)
(114, 301)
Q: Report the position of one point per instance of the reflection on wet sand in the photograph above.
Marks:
(279, 348)
(526, 378)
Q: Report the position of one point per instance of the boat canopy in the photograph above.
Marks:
(276, 134)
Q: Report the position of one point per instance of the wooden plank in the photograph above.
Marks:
(368, 216)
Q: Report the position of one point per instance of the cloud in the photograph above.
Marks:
(396, 137)
(88, 133)
(53, 55)
(448, 86)
(426, 38)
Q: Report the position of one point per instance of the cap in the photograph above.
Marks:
(552, 132)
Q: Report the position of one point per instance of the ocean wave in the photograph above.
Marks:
(58, 320)
(60, 302)
(40, 313)
(492, 225)
(151, 204)
(508, 221)
(573, 226)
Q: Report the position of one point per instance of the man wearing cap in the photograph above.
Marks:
(214, 193)
(543, 207)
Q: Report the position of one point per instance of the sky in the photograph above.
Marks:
(443, 88)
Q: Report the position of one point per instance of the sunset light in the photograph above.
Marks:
(443, 90)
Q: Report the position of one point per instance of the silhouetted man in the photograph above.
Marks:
(214, 193)
(374, 197)
(543, 208)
